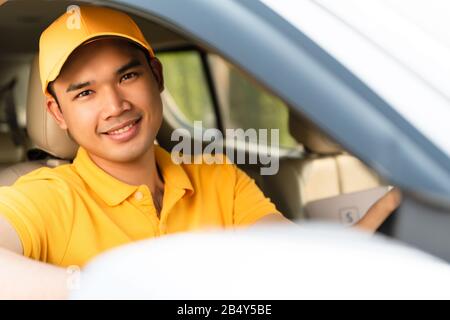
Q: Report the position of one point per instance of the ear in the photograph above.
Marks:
(157, 70)
(54, 109)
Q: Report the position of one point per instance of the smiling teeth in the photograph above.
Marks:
(122, 130)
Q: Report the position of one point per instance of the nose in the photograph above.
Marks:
(114, 103)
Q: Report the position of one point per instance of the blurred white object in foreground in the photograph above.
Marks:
(276, 262)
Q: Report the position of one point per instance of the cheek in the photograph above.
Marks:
(82, 123)
(155, 109)
(147, 97)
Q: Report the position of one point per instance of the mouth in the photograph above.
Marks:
(125, 131)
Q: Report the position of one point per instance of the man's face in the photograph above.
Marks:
(110, 100)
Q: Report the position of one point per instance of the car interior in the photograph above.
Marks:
(311, 166)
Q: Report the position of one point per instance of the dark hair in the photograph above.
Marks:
(51, 90)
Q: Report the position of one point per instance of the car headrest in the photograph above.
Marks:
(306, 133)
(41, 127)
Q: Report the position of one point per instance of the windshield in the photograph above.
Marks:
(401, 49)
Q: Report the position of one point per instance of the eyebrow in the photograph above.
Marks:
(78, 86)
(133, 63)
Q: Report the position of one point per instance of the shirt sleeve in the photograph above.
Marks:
(39, 216)
(250, 204)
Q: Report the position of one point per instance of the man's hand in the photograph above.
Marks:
(373, 219)
(380, 211)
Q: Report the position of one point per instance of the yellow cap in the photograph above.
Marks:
(76, 27)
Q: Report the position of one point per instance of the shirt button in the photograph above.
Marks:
(138, 196)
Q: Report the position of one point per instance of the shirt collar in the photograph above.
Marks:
(114, 191)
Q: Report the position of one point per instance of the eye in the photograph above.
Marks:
(128, 76)
(85, 93)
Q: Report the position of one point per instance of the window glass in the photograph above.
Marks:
(244, 104)
(186, 83)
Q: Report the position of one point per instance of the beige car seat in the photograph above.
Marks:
(43, 132)
(326, 170)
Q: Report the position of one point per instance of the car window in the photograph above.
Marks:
(15, 68)
(186, 82)
(244, 104)
(13, 88)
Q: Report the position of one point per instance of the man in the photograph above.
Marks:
(102, 84)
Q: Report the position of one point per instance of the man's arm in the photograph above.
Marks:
(380, 211)
(373, 219)
(273, 218)
(9, 239)
(23, 278)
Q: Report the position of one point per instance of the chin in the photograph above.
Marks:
(127, 153)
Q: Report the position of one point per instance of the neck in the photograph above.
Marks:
(141, 171)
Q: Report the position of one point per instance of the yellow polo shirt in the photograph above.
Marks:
(69, 214)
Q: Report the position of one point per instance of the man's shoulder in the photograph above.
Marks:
(58, 176)
(43, 187)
